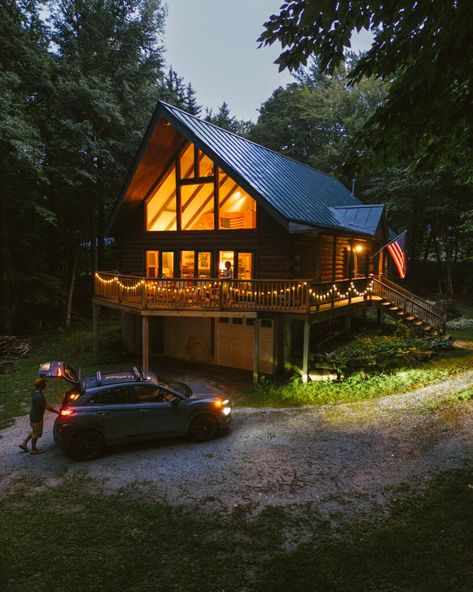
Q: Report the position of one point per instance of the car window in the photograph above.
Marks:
(163, 394)
(142, 393)
(151, 394)
(114, 396)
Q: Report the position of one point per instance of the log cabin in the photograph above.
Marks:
(233, 254)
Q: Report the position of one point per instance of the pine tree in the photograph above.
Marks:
(191, 105)
(23, 215)
(223, 118)
(108, 75)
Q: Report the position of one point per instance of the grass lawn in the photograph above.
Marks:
(67, 538)
(359, 385)
(73, 537)
(75, 347)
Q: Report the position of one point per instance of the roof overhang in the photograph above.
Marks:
(362, 219)
(165, 136)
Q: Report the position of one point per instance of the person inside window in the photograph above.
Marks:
(227, 273)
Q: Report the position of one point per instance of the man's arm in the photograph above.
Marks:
(52, 409)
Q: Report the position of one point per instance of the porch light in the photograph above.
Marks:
(359, 248)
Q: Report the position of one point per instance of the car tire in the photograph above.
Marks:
(203, 427)
(86, 445)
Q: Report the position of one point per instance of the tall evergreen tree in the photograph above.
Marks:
(191, 104)
(108, 76)
(223, 118)
(23, 215)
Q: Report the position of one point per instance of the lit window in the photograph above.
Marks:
(187, 162)
(206, 166)
(187, 264)
(204, 265)
(152, 263)
(245, 266)
(167, 265)
(237, 209)
(161, 207)
(226, 257)
(197, 207)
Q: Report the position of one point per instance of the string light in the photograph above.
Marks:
(201, 291)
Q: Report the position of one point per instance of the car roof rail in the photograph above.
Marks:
(99, 378)
(138, 373)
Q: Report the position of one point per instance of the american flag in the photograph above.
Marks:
(397, 250)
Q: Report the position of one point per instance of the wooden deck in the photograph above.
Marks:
(212, 297)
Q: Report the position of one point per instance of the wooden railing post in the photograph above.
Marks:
(220, 295)
(144, 293)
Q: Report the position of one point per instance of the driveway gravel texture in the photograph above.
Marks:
(343, 461)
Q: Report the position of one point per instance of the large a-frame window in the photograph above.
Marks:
(194, 194)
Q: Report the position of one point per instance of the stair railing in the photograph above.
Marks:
(410, 303)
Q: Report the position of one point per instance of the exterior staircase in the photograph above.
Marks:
(408, 308)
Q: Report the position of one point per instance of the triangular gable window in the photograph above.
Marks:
(194, 194)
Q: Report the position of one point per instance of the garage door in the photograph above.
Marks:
(234, 344)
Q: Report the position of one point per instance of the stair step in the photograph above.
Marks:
(410, 318)
(394, 308)
(386, 303)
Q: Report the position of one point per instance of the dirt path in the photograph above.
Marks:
(343, 459)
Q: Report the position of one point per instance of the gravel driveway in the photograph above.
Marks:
(345, 459)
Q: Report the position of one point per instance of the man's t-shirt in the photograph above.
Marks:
(38, 406)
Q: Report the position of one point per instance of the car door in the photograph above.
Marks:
(115, 411)
(159, 410)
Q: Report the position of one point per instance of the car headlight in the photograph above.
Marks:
(226, 410)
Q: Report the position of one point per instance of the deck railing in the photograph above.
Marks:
(410, 303)
(218, 294)
(330, 294)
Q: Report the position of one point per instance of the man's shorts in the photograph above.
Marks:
(36, 429)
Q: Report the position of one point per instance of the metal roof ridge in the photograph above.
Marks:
(289, 158)
(362, 205)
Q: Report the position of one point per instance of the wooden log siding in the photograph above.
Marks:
(336, 257)
(326, 263)
(299, 296)
(275, 249)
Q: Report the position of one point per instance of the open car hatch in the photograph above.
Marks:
(59, 370)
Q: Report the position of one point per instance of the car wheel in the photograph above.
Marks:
(87, 445)
(203, 427)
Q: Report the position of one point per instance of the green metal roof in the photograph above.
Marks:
(289, 190)
(296, 191)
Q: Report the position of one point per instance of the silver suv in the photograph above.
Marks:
(127, 406)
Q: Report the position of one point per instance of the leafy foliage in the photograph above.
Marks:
(76, 94)
(421, 48)
(314, 118)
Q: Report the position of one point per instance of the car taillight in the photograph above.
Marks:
(66, 412)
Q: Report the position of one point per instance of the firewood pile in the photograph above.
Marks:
(13, 347)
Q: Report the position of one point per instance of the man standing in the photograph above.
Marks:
(38, 407)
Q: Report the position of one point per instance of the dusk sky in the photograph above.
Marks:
(212, 44)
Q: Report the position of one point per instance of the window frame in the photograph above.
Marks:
(196, 180)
